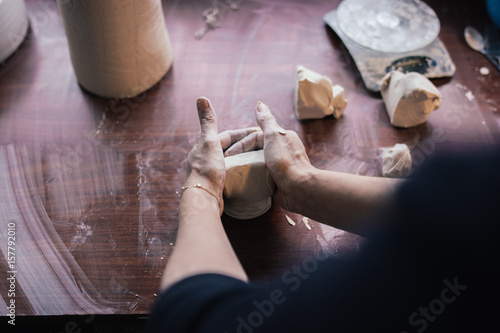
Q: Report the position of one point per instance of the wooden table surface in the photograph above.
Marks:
(92, 184)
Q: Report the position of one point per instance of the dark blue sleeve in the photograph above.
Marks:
(200, 303)
(432, 266)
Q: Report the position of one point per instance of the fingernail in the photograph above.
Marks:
(203, 103)
(260, 106)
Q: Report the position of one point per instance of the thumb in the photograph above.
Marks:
(266, 120)
(208, 119)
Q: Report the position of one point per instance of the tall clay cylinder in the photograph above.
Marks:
(13, 26)
(118, 48)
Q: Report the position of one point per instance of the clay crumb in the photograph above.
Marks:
(305, 220)
(290, 221)
(470, 96)
(484, 71)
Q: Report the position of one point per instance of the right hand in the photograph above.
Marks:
(286, 160)
(285, 156)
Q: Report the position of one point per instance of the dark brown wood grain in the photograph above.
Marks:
(104, 175)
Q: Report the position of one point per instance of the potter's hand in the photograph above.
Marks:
(205, 161)
(202, 245)
(285, 155)
(342, 200)
(286, 160)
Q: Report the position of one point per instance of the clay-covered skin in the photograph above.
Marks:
(409, 98)
(248, 187)
(316, 96)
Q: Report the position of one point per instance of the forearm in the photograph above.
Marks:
(202, 245)
(344, 201)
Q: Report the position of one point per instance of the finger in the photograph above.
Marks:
(266, 120)
(229, 137)
(208, 119)
(254, 141)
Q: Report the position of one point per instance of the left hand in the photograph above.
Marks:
(205, 162)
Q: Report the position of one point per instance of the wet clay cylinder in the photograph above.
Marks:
(118, 48)
(248, 187)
